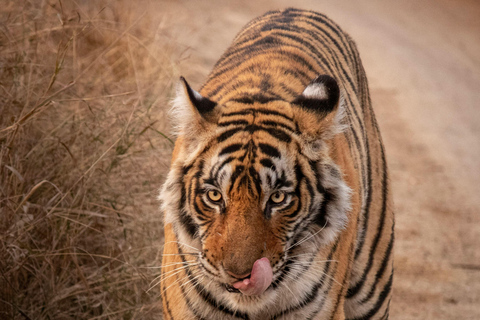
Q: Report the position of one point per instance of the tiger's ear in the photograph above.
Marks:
(201, 104)
(192, 114)
(317, 107)
(320, 96)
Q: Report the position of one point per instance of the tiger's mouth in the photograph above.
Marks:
(230, 288)
(257, 282)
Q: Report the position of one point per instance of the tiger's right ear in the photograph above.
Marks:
(201, 104)
(317, 110)
(192, 114)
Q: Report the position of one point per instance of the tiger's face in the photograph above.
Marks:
(252, 184)
(246, 198)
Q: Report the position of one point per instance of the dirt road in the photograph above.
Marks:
(423, 63)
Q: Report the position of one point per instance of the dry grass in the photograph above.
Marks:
(82, 153)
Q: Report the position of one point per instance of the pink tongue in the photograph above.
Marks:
(259, 280)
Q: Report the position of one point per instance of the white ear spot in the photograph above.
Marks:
(197, 95)
(316, 91)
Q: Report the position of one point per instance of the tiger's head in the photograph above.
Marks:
(252, 180)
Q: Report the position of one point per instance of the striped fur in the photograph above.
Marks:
(286, 109)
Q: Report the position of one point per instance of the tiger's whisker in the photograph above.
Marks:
(308, 237)
(181, 254)
(183, 244)
(168, 265)
(171, 273)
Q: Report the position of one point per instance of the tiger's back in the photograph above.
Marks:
(284, 115)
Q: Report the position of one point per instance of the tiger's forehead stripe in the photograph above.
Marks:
(255, 111)
(273, 131)
(247, 123)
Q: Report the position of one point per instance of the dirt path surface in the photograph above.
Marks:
(423, 63)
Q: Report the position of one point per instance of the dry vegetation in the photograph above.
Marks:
(82, 154)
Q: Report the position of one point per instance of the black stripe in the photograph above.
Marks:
(189, 303)
(381, 270)
(387, 311)
(277, 124)
(235, 122)
(283, 274)
(268, 163)
(274, 132)
(186, 169)
(353, 291)
(339, 34)
(251, 111)
(207, 296)
(381, 299)
(341, 291)
(235, 55)
(314, 52)
(278, 22)
(318, 177)
(231, 148)
(227, 134)
(185, 220)
(269, 150)
(289, 57)
(288, 207)
(313, 294)
(299, 177)
(277, 133)
(321, 217)
(214, 177)
(366, 106)
(295, 212)
(346, 51)
(233, 178)
(368, 202)
(257, 97)
(195, 181)
(164, 296)
(199, 213)
(255, 178)
(355, 62)
(188, 224)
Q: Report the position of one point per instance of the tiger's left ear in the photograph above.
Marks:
(317, 107)
(320, 96)
(192, 114)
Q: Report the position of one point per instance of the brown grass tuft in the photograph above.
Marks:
(82, 152)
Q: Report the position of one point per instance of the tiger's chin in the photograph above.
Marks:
(247, 303)
(233, 298)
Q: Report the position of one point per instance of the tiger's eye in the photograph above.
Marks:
(277, 197)
(214, 195)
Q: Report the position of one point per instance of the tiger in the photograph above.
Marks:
(277, 204)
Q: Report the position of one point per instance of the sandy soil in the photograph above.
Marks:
(423, 63)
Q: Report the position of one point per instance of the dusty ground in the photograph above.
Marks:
(423, 63)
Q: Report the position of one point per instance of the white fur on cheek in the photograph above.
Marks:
(169, 196)
(339, 208)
